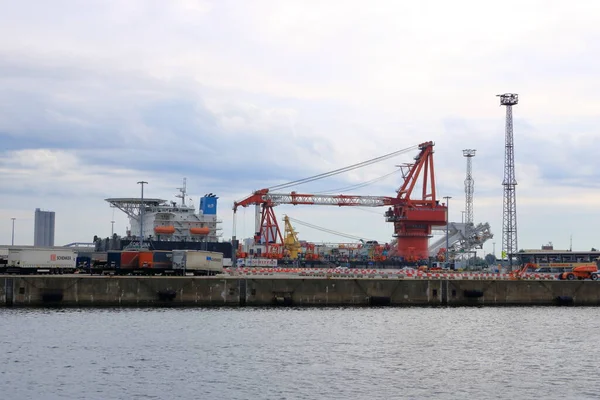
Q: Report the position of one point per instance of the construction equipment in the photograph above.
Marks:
(581, 272)
(412, 218)
(291, 242)
(519, 273)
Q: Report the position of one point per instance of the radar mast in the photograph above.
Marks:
(183, 192)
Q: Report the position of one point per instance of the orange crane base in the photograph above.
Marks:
(413, 248)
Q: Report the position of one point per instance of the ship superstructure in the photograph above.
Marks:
(171, 221)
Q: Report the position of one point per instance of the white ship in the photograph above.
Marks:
(171, 221)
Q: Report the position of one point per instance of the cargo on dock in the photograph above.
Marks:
(40, 260)
(145, 259)
(197, 262)
(130, 259)
(162, 260)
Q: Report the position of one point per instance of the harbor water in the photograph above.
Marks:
(286, 353)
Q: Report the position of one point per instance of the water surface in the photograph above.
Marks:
(331, 353)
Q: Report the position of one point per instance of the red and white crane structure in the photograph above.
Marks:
(412, 218)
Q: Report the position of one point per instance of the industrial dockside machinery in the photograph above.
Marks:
(413, 218)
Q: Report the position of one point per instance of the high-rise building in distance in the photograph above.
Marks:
(43, 233)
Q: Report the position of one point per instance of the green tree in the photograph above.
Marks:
(490, 259)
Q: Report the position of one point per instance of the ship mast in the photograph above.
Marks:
(183, 192)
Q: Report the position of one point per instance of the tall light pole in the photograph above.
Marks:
(494, 247)
(142, 213)
(509, 210)
(112, 228)
(12, 239)
(447, 225)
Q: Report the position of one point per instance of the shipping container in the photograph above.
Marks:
(178, 259)
(46, 259)
(100, 257)
(198, 262)
(83, 262)
(162, 260)
(145, 259)
(129, 260)
(113, 259)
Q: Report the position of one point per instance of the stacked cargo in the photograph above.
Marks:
(127, 262)
(197, 262)
(154, 262)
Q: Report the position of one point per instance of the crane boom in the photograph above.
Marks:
(264, 197)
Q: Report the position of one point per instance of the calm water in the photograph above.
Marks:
(389, 353)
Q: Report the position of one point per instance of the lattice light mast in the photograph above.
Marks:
(469, 187)
(509, 211)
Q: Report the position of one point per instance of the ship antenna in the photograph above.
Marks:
(183, 192)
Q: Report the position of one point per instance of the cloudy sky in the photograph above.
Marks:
(239, 95)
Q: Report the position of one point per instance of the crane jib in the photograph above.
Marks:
(338, 200)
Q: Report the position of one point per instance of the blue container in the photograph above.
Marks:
(83, 262)
(113, 259)
(208, 205)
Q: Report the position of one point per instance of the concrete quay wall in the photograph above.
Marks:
(129, 291)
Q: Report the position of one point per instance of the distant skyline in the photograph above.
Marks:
(237, 96)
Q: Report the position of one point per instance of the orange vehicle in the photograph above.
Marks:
(518, 273)
(582, 272)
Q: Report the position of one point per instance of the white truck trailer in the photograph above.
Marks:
(197, 262)
(41, 260)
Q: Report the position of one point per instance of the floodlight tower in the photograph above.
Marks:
(509, 210)
(469, 186)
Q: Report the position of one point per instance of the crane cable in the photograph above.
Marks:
(359, 185)
(342, 170)
(319, 228)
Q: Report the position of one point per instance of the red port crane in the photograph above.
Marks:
(412, 218)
